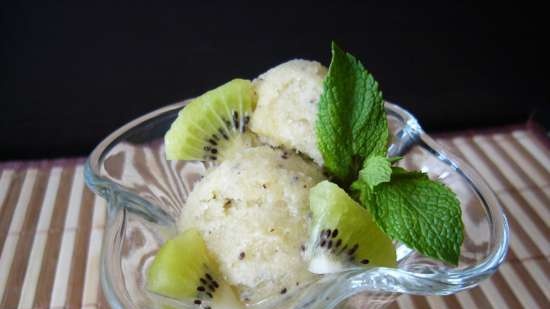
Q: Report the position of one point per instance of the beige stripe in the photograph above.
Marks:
(496, 183)
(102, 301)
(26, 237)
(534, 229)
(539, 275)
(8, 208)
(169, 171)
(93, 268)
(8, 250)
(67, 243)
(538, 151)
(47, 271)
(404, 301)
(128, 170)
(5, 182)
(159, 173)
(523, 159)
(100, 213)
(28, 290)
(466, 299)
(79, 261)
(150, 181)
(16, 224)
(91, 279)
(61, 277)
(6, 259)
(21, 208)
(436, 302)
(517, 286)
(546, 192)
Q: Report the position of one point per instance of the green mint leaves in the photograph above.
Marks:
(351, 106)
(422, 213)
(352, 135)
(376, 170)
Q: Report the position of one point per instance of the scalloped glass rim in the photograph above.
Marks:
(423, 276)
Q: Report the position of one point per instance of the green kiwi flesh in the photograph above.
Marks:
(183, 270)
(343, 233)
(211, 123)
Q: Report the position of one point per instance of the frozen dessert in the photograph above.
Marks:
(288, 99)
(253, 213)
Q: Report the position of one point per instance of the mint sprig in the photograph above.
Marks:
(351, 105)
(352, 135)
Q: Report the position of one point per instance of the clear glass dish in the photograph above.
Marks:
(146, 193)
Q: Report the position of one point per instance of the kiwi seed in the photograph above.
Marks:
(353, 249)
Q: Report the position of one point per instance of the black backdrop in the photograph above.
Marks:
(71, 73)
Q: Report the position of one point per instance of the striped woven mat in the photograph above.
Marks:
(51, 228)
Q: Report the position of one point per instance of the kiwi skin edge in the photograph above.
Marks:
(211, 123)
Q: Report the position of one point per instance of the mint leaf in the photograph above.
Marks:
(351, 123)
(403, 173)
(376, 170)
(422, 213)
(395, 159)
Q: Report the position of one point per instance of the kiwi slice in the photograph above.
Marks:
(343, 233)
(211, 124)
(184, 270)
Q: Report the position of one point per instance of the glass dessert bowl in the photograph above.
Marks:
(146, 193)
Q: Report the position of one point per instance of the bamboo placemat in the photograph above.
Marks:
(51, 229)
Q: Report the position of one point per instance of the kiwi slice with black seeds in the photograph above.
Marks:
(343, 233)
(213, 124)
(183, 270)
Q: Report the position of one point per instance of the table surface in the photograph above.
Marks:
(51, 228)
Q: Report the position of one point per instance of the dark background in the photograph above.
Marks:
(72, 73)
